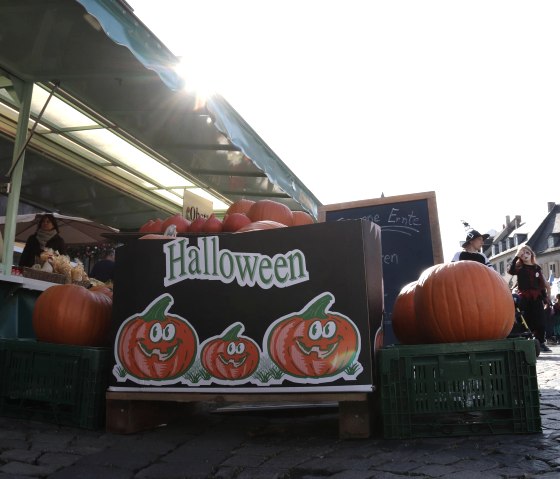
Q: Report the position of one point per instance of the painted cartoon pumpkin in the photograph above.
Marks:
(155, 344)
(315, 342)
(231, 356)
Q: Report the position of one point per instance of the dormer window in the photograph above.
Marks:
(520, 238)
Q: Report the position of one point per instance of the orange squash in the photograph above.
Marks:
(152, 226)
(463, 301)
(269, 210)
(301, 218)
(72, 314)
(404, 320)
(240, 206)
(197, 225)
(212, 225)
(181, 223)
(235, 221)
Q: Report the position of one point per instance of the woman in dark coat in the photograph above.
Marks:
(46, 236)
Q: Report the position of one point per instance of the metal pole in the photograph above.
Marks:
(26, 90)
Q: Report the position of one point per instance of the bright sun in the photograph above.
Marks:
(199, 75)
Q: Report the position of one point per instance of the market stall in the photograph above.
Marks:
(116, 139)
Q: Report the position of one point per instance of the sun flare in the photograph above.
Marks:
(199, 76)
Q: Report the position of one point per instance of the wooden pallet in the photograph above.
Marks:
(131, 412)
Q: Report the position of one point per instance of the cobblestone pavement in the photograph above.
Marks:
(281, 444)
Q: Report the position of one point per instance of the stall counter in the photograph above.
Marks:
(17, 300)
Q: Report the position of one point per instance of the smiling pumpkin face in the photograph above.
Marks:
(231, 356)
(156, 345)
(315, 343)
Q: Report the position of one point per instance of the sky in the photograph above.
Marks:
(368, 98)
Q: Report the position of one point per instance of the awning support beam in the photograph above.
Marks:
(16, 174)
(33, 128)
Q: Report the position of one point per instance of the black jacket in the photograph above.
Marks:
(103, 270)
(32, 249)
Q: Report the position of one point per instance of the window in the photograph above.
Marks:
(553, 240)
(502, 268)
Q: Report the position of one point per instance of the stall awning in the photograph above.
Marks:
(136, 139)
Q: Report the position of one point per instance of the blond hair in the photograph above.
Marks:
(527, 248)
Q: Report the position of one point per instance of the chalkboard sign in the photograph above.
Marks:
(410, 239)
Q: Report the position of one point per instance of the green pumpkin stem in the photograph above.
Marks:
(318, 309)
(158, 309)
(232, 334)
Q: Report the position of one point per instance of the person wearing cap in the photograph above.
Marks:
(47, 236)
(471, 248)
(533, 291)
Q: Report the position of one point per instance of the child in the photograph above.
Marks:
(471, 249)
(533, 289)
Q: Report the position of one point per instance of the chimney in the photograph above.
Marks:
(507, 220)
(517, 221)
(551, 205)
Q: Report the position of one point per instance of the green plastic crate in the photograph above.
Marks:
(456, 389)
(54, 382)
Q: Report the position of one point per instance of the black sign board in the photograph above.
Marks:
(275, 310)
(410, 238)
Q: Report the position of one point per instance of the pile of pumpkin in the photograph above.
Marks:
(454, 302)
(242, 215)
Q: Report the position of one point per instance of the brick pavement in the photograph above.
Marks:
(282, 444)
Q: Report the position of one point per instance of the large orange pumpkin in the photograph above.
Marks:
(301, 218)
(235, 221)
(152, 226)
(406, 326)
(271, 211)
(212, 225)
(72, 314)
(181, 223)
(463, 301)
(240, 206)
